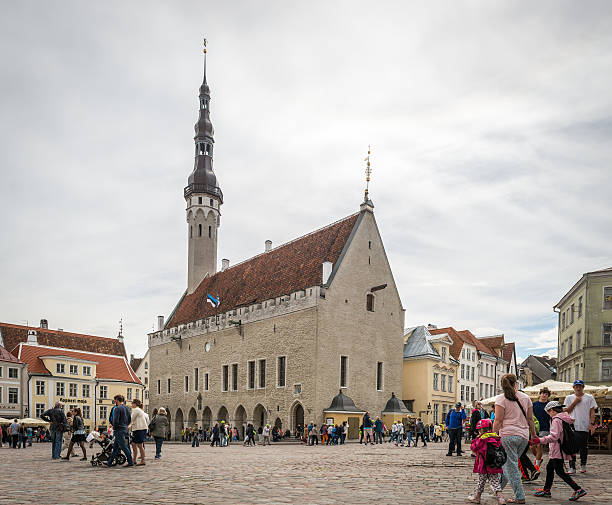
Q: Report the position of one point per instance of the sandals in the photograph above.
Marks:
(514, 500)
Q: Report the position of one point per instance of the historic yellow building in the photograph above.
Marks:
(429, 375)
(68, 367)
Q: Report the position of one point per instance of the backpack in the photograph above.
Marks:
(495, 457)
(571, 444)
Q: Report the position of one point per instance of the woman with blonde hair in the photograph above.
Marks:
(139, 428)
(514, 423)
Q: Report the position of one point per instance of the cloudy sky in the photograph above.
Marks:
(490, 124)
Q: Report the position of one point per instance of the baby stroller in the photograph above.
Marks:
(107, 448)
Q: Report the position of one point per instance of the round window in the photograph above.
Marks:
(207, 347)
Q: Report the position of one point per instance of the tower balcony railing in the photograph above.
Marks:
(203, 188)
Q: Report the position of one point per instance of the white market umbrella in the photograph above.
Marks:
(30, 421)
(558, 388)
(5, 421)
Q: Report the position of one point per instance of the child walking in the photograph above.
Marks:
(484, 438)
(556, 455)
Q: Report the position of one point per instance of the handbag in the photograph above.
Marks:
(80, 432)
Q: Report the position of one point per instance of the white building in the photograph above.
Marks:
(141, 368)
(12, 386)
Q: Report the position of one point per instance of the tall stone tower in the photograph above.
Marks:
(204, 198)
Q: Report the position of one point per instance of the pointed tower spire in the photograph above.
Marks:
(203, 196)
(367, 203)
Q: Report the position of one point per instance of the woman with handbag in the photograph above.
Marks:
(78, 434)
(139, 428)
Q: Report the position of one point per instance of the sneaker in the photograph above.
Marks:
(545, 493)
(583, 469)
(577, 494)
(534, 475)
(571, 471)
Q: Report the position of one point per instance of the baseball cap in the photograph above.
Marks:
(458, 404)
(551, 405)
(578, 382)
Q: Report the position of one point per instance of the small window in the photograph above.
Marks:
(74, 370)
(212, 202)
(444, 354)
(251, 378)
(262, 373)
(168, 385)
(40, 389)
(369, 244)
(191, 231)
(578, 339)
(87, 370)
(86, 412)
(199, 200)
(607, 298)
(159, 386)
(297, 389)
(450, 383)
(186, 383)
(40, 409)
(379, 376)
(281, 371)
(146, 365)
(104, 393)
(607, 334)
(370, 302)
(60, 389)
(235, 377)
(210, 232)
(436, 381)
(73, 390)
(570, 344)
(225, 378)
(606, 369)
(343, 371)
(443, 381)
(563, 321)
(580, 306)
(572, 310)
(462, 371)
(196, 379)
(205, 382)
(86, 390)
(60, 368)
(13, 395)
(13, 373)
(200, 230)
(103, 412)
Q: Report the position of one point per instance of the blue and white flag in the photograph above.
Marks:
(212, 300)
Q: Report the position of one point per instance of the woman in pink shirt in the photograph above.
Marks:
(514, 423)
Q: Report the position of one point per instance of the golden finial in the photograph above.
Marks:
(205, 42)
(368, 172)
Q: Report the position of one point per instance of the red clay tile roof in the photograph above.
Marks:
(477, 342)
(285, 269)
(493, 343)
(108, 366)
(458, 340)
(508, 351)
(135, 363)
(7, 356)
(13, 334)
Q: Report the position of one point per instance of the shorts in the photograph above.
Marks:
(138, 436)
(77, 439)
(543, 434)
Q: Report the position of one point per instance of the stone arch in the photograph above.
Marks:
(297, 416)
(192, 417)
(222, 415)
(240, 420)
(260, 416)
(278, 422)
(178, 423)
(206, 417)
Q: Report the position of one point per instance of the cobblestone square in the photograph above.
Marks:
(350, 474)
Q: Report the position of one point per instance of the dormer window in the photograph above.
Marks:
(370, 302)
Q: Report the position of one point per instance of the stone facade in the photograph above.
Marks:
(312, 328)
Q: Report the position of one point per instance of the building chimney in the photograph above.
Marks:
(327, 270)
(268, 246)
(160, 323)
(44, 324)
(32, 338)
(131, 359)
(224, 264)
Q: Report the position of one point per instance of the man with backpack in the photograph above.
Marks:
(581, 407)
(58, 425)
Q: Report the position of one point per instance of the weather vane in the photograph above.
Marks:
(368, 172)
(121, 327)
(205, 42)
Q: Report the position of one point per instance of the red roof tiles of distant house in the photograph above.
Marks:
(455, 349)
(476, 342)
(13, 334)
(7, 356)
(285, 269)
(508, 351)
(493, 343)
(107, 366)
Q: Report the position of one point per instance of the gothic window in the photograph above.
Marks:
(210, 232)
(191, 232)
(200, 230)
(212, 202)
(370, 302)
(199, 200)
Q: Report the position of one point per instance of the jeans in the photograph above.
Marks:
(583, 437)
(422, 437)
(409, 439)
(378, 437)
(223, 439)
(196, 442)
(120, 445)
(455, 440)
(56, 443)
(342, 438)
(158, 446)
(514, 446)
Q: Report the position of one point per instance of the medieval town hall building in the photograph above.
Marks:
(295, 324)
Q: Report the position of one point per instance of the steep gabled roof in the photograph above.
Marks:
(109, 367)
(477, 342)
(508, 351)
(456, 337)
(8, 357)
(135, 363)
(13, 334)
(417, 344)
(285, 269)
(494, 342)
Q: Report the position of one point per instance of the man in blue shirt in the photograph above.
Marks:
(120, 421)
(454, 423)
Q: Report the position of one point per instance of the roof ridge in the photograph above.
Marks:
(51, 330)
(318, 230)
